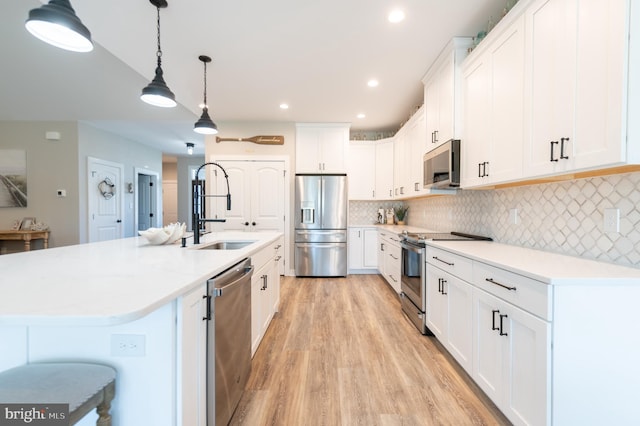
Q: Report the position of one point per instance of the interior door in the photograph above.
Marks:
(105, 207)
(145, 214)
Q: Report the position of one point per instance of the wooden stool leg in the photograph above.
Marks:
(104, 418)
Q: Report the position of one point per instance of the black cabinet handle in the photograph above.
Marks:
(493, 319)
(253, 223)
(479, 170)
(443, 261)
(484, 169)
(435, 133)
(246, 224)
(552, 144)
(501, 318)
(562, 141)
(207, 317)
(444, 293)
(439, 285)
(491, 280)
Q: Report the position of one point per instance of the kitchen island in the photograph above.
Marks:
(126, 303)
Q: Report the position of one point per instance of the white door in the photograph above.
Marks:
(105, 206)
(257, 196)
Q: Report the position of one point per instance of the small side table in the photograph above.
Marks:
(26, 236)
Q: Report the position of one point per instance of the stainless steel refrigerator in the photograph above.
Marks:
(321, 225)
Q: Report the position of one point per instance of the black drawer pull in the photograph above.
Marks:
(501, 332)
(493, 319)
(443, 261)
(501, 285)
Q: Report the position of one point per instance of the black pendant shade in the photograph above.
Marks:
(157, 93)
(205, 125)
(56, 23)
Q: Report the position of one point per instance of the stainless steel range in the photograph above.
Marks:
(413, 282)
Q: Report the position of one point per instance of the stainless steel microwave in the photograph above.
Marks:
(442, 166)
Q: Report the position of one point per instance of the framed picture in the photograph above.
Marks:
(16, 225)
(13, 169)
(27, 222)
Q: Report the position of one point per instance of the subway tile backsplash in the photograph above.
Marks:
(565, 217)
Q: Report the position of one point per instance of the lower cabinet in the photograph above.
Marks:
(265, 291)
(362, 249)
(192, 358)
(389, 258)
(449, 313)
(512, 353)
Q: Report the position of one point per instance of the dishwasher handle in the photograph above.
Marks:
(219, 291)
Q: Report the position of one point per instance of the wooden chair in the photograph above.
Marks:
(81, 385)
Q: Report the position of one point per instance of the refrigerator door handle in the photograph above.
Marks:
(308, 215)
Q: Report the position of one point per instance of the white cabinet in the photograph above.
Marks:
(417, 142)
(449, 314)
(384, 169)
(265, 291)
(442, 93)
(362, 170)
(512, 351)
(322, 147)
(493, 81)
(401, 152)
(257, 196)
(363, 250)
(576, 85)
(389, 258)
(192, 358)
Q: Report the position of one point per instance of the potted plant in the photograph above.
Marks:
(401, 214)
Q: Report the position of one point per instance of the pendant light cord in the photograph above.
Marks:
(205, 85)
(159, 52)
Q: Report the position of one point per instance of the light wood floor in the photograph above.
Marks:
(340, 352)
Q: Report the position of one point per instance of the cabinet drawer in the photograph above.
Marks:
(526, 293)
(459, 266)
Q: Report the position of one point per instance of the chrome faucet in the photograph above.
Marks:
(197, 220)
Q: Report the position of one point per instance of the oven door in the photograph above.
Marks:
(413, 273)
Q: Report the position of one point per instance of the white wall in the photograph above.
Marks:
(93, 142)
(51, 165)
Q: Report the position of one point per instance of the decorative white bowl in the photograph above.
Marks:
(167, 235)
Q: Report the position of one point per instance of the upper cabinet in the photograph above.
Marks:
(322, 147)
(493, 82)
(550, 92)
(371, 170)
(576, 54)
(442, 93)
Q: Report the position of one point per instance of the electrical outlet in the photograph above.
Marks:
(611, 220)
(514, 218)
(128, 344)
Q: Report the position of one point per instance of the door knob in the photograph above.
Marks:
(119, 221)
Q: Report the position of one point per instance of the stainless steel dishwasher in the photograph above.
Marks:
(228, 340)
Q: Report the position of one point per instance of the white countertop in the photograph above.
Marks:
(110, 282)
(550, 268)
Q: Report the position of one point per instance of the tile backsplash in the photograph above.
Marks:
(565, 217)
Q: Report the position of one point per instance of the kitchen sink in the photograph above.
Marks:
(226, 245)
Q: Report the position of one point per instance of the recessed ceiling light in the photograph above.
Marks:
(361, 115)
(396, 16)
(284, 106)
(373, 83)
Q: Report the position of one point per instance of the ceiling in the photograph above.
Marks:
(315, 56)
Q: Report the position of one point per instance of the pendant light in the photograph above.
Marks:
(205, 125)
(56, 23)
(157, 93)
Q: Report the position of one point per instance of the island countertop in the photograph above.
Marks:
(110, 282)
